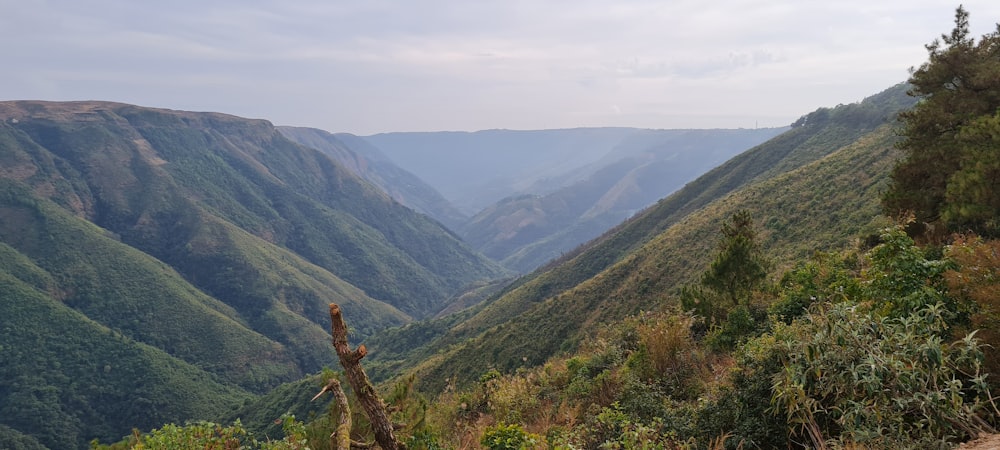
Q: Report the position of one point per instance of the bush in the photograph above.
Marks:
(741, 410)
(854, 376)
(508, 437)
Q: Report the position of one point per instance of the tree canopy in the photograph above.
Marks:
(739, 265)
(951, 139)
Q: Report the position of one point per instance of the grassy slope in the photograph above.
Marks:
(561, 283)
(821, 205)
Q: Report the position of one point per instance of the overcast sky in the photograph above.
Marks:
(367, 66)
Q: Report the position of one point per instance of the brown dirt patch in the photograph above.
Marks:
(985, 442)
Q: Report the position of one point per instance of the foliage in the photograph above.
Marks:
(827, 277)
(740, 408)
(724, 295)
(210, 436)
(976, 280)
(508, 437)
(741, 323)
(938, 181)
(901, 279)
(854, 376)
(971, 202)
(668, 353)
(88, 381)
(611, 428)
(11, 439)
(739, 266)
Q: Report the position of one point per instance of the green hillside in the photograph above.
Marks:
(83, 268)
(550, 310)
(144, 173)
(202, 247)
(66, 379)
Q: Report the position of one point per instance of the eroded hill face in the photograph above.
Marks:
(195, 245)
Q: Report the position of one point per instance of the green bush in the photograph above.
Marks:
(210, 436)
(741, 410)
(508, 437)
(855, 376)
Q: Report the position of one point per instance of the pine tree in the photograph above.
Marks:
(972, 198)
(739, 266)
(958, 85)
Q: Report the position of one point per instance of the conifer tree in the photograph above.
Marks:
(958, 86)
(739, 266)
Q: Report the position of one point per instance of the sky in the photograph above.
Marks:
(370, 66)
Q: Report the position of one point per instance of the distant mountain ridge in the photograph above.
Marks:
(187, 246)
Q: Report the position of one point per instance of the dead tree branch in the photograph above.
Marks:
(342, 435)
(363, 389)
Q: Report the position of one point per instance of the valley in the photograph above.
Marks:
(175, 279)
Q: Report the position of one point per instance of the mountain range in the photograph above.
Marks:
(186, 260)
(159, 266)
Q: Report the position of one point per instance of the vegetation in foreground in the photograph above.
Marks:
(867, 348)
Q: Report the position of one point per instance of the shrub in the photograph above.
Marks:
(976, 279)
(902, 278)
(508, 437)
(741, 410)
(854, 376)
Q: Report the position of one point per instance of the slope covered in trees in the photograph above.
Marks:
(200, 246)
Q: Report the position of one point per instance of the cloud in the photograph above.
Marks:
(382, 65)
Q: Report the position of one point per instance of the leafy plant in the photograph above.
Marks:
(508, 437)
(854, 376)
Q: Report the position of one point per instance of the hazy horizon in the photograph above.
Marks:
(389, 66)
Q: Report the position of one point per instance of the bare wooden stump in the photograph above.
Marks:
(363, 389)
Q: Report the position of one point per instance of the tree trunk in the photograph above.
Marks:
(363, 389)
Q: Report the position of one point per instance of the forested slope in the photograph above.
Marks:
(202, 247)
